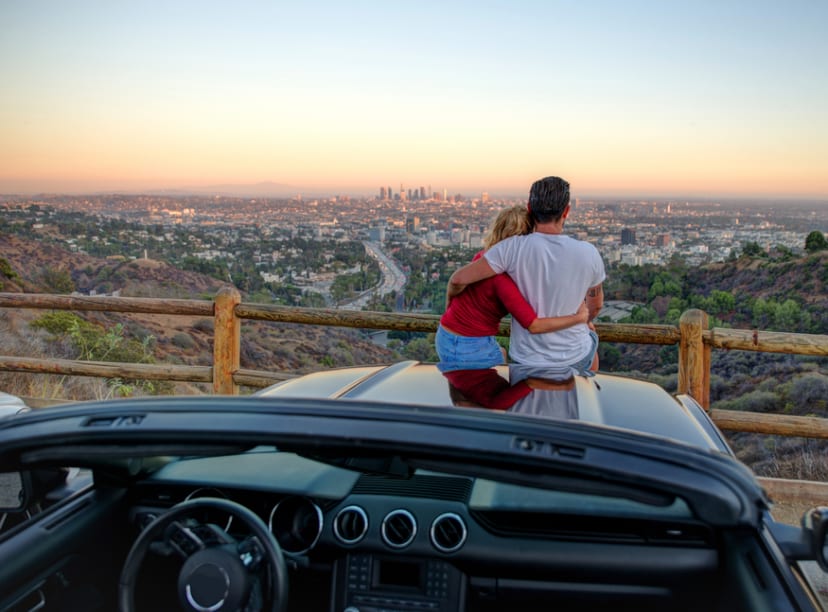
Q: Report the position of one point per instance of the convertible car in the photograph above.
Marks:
(395, 488)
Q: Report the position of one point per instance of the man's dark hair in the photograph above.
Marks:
(548, 199)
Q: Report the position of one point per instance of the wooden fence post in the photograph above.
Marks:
(226, 341)
(694, 357)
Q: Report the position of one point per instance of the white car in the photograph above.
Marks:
(11, 404)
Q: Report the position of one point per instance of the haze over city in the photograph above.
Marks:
(703, 99)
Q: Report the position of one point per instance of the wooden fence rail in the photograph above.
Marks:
(694, 340)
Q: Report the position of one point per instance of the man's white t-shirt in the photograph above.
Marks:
(553, 272)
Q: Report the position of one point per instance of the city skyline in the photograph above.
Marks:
(709, 100)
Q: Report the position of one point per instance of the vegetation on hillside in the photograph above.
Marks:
(81, 339)
(38, 267)
(766, 291)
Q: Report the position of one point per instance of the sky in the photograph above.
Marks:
(710, 98)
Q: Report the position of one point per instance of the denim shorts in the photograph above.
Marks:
(582, 367)
(466, 352)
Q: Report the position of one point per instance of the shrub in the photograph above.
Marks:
(755, 401)
(91, 342)
(204, 325)
(7, 271)
(57, 280)
(57, 323)
(183, 341)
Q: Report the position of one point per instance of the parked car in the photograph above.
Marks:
(399, 488)
(11, 404)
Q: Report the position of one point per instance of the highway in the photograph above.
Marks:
(393, 278)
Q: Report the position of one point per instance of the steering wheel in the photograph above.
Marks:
(219, 573)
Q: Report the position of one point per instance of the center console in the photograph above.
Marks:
(374, 583)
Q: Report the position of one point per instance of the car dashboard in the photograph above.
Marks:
(363, 540)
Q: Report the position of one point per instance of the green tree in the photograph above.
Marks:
(783, 253)
(608, 356)
(57, 280)
(642, 315)
(656, 289)
(721, 302)
(421, 349)
(816, 242)
(7, 271)
(752, 249)
(787, 316)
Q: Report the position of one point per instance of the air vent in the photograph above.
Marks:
(448, 533)
(399, 528)
(350, 525)
(446, 488)
(296, 522)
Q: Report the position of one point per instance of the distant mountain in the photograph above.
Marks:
(261, 190)
(253, 190)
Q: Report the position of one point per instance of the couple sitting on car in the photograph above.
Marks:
(550, 283)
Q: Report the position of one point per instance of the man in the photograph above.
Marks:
(555, 273)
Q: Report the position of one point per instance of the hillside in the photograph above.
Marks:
(785, 294)
(804, 277)
(790, 294)
(44, 268)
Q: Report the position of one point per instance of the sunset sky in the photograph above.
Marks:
(709, 98)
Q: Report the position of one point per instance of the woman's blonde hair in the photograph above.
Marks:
(514, 221)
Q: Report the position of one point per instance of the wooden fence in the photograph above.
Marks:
(695, 342)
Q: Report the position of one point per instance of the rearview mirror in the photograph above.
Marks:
(13, 492)
(816, 522)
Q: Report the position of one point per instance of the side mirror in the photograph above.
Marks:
(15, 491)
(815, 521)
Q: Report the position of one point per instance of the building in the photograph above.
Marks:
(376, 233)
(627, 236)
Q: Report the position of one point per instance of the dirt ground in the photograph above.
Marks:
(790, 513)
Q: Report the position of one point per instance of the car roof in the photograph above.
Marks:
(605, 400)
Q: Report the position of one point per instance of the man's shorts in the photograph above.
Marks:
(582, 367)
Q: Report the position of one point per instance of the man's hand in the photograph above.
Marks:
(453, 289)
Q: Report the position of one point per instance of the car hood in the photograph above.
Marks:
(608, 400)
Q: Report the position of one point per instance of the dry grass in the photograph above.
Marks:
(790, 512)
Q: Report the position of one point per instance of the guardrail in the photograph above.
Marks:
(694, 340)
